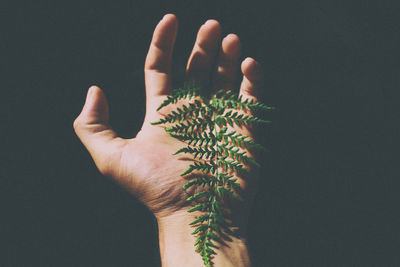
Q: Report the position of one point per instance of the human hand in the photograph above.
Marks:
(145, 165)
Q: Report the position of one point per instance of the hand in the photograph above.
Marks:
(145, 165)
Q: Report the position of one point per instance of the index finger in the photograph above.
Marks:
(157, 67)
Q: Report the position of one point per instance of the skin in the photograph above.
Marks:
(145, 166)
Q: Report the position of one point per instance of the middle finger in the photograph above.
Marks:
(200, 64)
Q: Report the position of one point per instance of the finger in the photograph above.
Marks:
(93, 130)
(158, 61)
(252, 79)
(227, 65)
(249, 87)
(199, 66)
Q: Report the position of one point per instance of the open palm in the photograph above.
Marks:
(145, 165)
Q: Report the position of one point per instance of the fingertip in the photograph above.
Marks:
(168, 23)
(213, 22)
(89, 93)
(231, 44)
(209, 34)
(251, 69)
(169, 16)
(200, 63)
(232, 37)
(96, 106)
(252, 78)
(227, 63)
(158, 60)
(247, 63)
(165, 32)
(93, 89)
(214, 25)
(93, 92)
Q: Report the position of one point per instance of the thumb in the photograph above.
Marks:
(92, 128)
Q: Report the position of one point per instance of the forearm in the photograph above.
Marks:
(177, 249)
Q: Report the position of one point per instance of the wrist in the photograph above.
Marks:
(177, 249)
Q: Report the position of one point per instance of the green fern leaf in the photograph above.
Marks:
(218, 154)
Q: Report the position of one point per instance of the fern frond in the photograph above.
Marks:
(218, 155)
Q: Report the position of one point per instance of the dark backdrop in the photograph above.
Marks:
(329, 192)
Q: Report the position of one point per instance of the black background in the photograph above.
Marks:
(329, 193)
